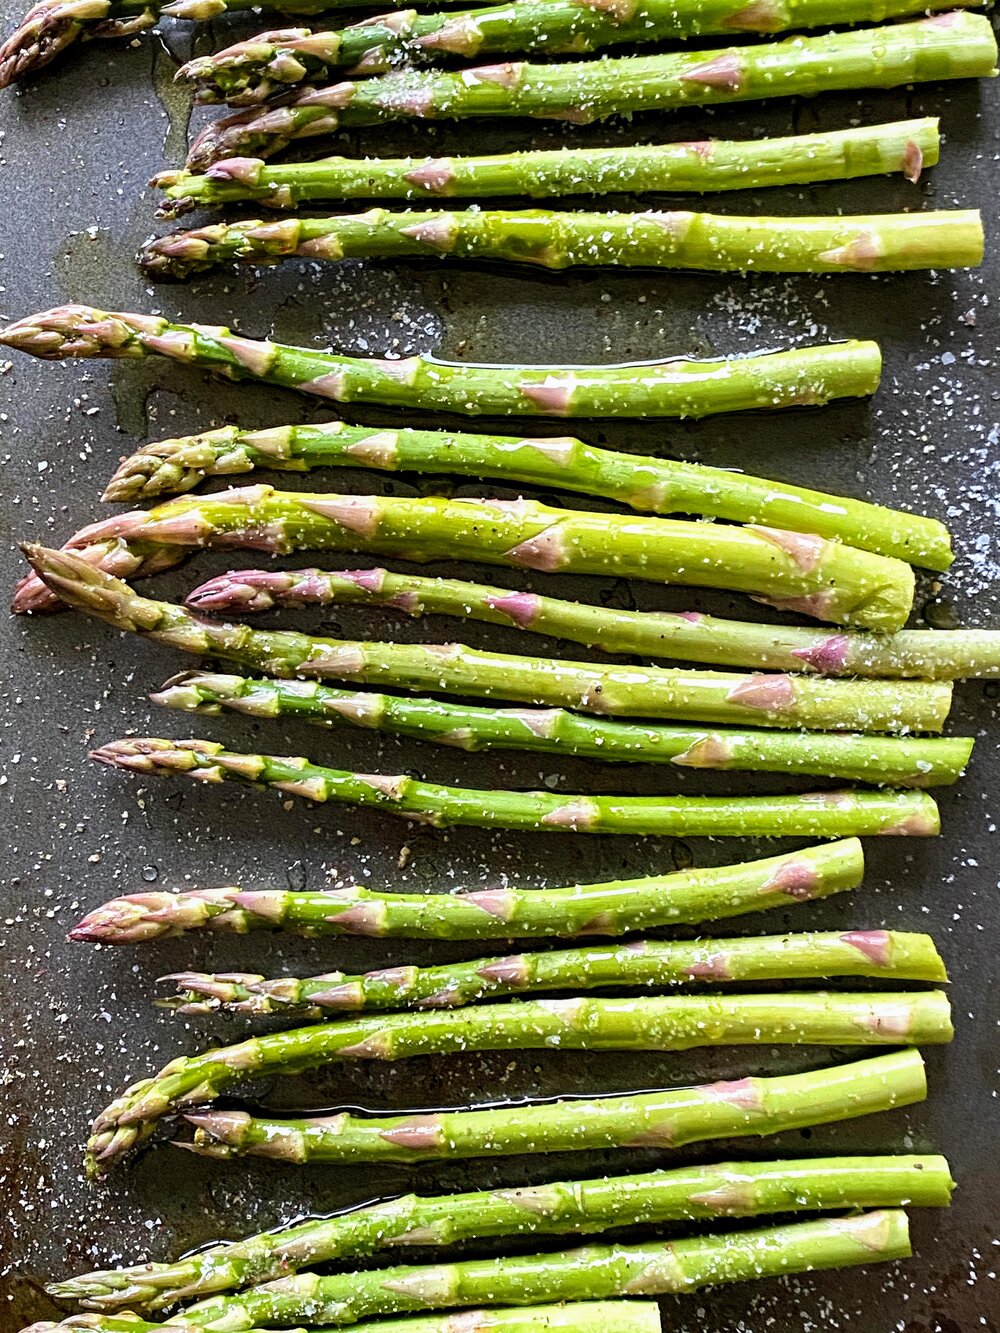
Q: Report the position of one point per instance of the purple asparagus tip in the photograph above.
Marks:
(239, 590)
(121, 921)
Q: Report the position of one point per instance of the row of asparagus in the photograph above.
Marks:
(442, 1009)
(252, 71)
(595, 1272)
(798, 566)
(266, 64)
(264, 1280)
(563, 1207)
(575, 1023)
(754, 1106)
(945, 46)
(778, 701)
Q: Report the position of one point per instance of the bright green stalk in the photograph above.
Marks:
(946, 46)
(921, 654)
(878, 243)
(673, 168)
(650, 963)
(838, 814)
(690, 1193)
(648, 1269)
(580, 1023)
(672, 1119)
(885, 761)
(578, 1317)
(802, 376)
(755, 700)
(685, 897)
(254, 70)
(825, 578)
(655, 485)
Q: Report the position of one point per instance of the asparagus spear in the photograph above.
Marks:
(682, 898)
(746, 1107)
(924, 654)
(888, 761)
(946, 46)
(878, 243)
(578, 1317)
(651, 963)
(644, 482)
(814, 815)
(805, 375)
(595, 1271)
(760, 700)
(581, 1206)
(254, 70)
(907, 146)
(824, 578)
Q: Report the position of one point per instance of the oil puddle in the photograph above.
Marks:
(171, 49)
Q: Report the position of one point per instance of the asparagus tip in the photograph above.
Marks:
(45, 31)
(121, 921)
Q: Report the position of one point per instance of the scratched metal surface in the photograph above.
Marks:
(75, 151)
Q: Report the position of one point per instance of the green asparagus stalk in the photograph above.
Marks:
(672, 1119)
(582, 1206)
(642, 963)
(806, 375)
(710, 165)
(685, 897)
(888, 761)
(596, 1271)
(824, 578)
(715, 696)
(580, 1023)
(838, 814)
(254, 70)
(644, 482)
(923, 654)
(878, 243)
(578, 1317)
(945, 46)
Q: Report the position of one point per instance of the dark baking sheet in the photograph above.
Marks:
(75, 151)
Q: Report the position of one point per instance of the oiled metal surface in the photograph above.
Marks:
(76, 1023)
